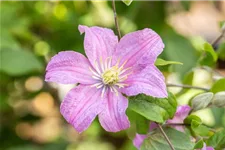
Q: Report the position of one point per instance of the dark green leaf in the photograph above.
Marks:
(217, 140)
(140, 122)
(191, 118)
(154, 109)
(221, 51)
(19, 62)
(199, 144)
(156, 141)
(218, 86)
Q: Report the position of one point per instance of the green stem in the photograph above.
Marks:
(187, 86)
(166, 137)
(116, 20)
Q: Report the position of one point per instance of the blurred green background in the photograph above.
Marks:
(32, 32)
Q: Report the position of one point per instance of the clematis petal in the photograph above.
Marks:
(99, 43)
(205, 147)
(113, 118)
(138, 140)
(140, 47)
(148, 80)
(181, 113)
(81, 105)
(69, 67)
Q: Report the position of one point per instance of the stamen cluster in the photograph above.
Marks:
(108, 76)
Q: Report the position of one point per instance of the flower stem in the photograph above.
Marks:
(116, 20)
(166, 137)
(187, 86)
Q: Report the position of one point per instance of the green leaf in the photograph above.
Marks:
(217, 140)
(140, 122)
(221, 51)
(219, 99)
(201, 101)
(178, 49)
(199, 129)
(142, 125)
(199, 144)
(218, 86)
(19, 62)
(191, 118)
(208, 47)
(127, 2)
(209, 56)
(196, 125)
(154, 109)
(156, 141)
(162, 62)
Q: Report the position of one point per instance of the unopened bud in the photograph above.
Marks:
(219, 99)
(202, 100)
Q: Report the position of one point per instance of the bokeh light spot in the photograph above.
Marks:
(33, 84)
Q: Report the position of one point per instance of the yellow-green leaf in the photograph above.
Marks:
(162, 62)
(127, 2)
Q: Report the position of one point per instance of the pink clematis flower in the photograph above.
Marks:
(110, 69)
(181, 113)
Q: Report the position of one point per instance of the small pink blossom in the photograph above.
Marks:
(111, 69)
(205, 147)
(181, 113)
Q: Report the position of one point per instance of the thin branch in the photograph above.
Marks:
(164, 134)
(214, 43)
(116, 20)
(177, 124)
(187, 86)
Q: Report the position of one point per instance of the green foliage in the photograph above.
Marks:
(178, 49)
(221, 51)
(218, 86)
(191, 118)
(201, 101)
(32, 32)
(199, 129)
(217, 140)
(199, 144)
(196, 126)
(140, 122)
(19, 62)
(156, 141)
(209, 56)
(154, 109)
(161, 62)
(186, 5)
(127, 2)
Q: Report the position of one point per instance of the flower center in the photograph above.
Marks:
(111, 76)
(108, 76)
